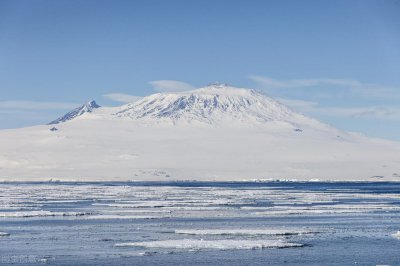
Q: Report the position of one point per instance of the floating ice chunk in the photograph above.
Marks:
(198, 244)
(328, 209)
(116, 216)
(38, 214)
(397, 235)
(4, 234)
(135, 211)
(243, 232)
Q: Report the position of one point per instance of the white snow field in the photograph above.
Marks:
(216, 133)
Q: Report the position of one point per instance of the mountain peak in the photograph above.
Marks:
(219, 85)
(222, 89)
(92, 105)
(86, 108)
(212, 104)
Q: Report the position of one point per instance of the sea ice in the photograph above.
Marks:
(199, 244)
(38, 214)
(397, 235)
(243, 232)
(112, 216)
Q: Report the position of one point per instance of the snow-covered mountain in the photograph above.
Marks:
(217, 105)
(213, 133)
(214, 105)
(211, 105)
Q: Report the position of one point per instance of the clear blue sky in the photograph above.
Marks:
(338, 60)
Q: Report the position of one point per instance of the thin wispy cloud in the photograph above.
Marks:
(33, 105)
(333, 90)
(170, 85)
(122, 97)
(298, 104)
(377, 112)
(354, 86)
(298, 83)
(313, 108)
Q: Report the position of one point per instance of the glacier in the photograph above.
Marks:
(215, 133)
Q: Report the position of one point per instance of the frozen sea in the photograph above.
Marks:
(200, 223)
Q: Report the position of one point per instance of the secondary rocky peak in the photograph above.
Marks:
(86, 108)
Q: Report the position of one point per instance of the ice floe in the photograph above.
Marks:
(397, 235)
(199, 244)
(243, 232)
(4, 234)
(119, 217)
(38, 214)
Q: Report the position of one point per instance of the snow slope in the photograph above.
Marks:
(213, 133)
